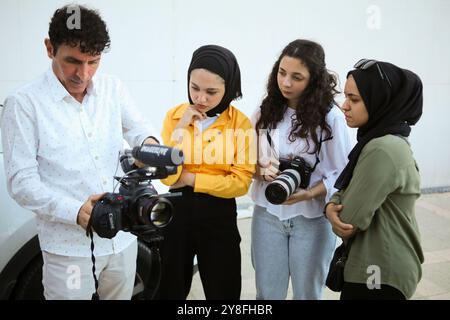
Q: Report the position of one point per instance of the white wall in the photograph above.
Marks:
(152, 43)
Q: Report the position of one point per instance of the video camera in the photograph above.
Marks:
(138, 208)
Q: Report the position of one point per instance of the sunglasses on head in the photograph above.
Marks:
(365, 64)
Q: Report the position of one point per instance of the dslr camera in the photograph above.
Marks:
(295, 173)
(138, 208)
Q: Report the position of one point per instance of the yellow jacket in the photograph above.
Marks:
(223, 156)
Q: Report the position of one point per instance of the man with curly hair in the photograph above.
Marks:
(61, 135)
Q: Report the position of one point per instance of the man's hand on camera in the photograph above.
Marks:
(149, 140)
(84, 214)
(343, 230)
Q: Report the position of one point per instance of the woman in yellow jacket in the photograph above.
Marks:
(217, 142)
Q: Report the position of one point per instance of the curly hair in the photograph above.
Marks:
(92, 37)
(315, 101)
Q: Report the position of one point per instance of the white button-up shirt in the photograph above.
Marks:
(333, 158)
(58, 151)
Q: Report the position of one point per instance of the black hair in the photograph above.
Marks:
(222, 62)
(91, 36)
(393, 98)
(315, 101)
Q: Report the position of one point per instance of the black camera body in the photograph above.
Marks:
(138, 208)
(295, 173)
(301, 166)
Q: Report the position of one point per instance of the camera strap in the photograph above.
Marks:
(90, 233)
(269, 140)
(318, 149)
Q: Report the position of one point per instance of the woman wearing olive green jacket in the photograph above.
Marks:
(380, 184)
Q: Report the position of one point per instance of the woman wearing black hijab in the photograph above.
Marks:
(380, 184)
(216, 140)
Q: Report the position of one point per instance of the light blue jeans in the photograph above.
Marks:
(297, 248)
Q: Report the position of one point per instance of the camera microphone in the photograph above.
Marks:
(158, 156)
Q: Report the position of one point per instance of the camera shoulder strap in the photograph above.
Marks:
(269, 140)
(318, 150)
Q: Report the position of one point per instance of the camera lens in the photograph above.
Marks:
(283, 186)
(161, 213)
(155, 211)
(276, 194)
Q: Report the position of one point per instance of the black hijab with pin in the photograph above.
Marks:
(222, 62)
(393, 98)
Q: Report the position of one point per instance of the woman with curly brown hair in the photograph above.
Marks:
(301, 128)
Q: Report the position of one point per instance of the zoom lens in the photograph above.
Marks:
(283, 186)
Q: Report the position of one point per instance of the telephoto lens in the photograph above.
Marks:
(283, 186)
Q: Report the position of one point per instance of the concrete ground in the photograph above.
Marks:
(433, 215)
